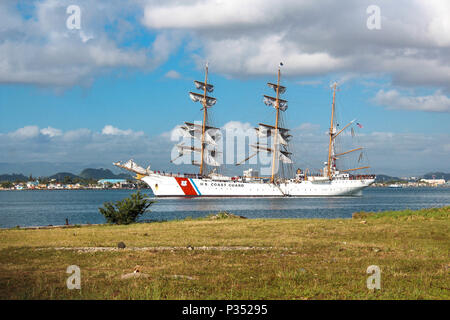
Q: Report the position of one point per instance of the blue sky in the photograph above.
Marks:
(132, 63)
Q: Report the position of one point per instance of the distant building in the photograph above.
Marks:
(114, 182)
(434, 182)
(32, 184)
(55, 186)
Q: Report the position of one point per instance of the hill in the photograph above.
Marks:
(437, 175)
(60, 176)
(101, 173)
(13, 177)
(385, 178)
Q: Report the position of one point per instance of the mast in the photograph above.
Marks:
(280, 136)
(330, 147)
(277, 107)
(204, 119)
(206, 135)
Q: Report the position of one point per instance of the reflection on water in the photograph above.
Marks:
(31, 208)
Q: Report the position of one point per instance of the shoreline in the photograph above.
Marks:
(137, 189)
(79, 225)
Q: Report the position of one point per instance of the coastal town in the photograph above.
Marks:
(87, 179)
(92, 184)
(54, 185)
(413, 183)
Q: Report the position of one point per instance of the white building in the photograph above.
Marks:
(434, 182)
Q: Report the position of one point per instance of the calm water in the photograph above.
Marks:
(38, 208)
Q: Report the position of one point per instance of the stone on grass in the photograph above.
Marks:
(121, 245)
(134, 275)
(180, 276)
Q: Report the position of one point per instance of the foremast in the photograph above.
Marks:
(204, 133)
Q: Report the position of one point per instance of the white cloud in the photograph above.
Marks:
(239, 38)
(237, 126)
(204, 14)
(110, 130)
(51, 132)
(82, 145)
(439, 26)
(26, 132)
(77, 135)
(172, 74)
(388, 152)
(393, 99)
(314, 38)
(42, 51)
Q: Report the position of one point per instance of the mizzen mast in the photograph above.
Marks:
(332, 135)
(332, 155)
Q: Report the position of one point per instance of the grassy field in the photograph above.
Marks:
(235, 258)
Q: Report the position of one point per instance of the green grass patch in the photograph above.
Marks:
(430, 213)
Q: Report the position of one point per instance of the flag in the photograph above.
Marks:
(359, 125)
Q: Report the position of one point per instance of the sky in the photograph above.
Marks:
(116, 87)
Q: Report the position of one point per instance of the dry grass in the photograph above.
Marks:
(308, 259)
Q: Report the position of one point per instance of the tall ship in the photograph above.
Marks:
(330, 181)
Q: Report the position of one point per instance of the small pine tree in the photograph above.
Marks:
(126, 211)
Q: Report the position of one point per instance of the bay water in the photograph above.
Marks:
(51, 207)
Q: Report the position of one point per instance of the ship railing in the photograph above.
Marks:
(181, 175)
(362, 177)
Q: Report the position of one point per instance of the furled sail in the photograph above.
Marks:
(182, 149)
(261, 147)
(266, 130)
(284, 157)
(193, 130)
(210, 101)
(201, 86)
(130, 165)
(210, 155)
(271, 102)
(281, 89)
(211, 159)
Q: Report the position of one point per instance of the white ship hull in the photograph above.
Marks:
(170, 186)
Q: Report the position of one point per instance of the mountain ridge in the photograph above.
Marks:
(85, 174)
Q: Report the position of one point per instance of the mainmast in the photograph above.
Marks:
(279, 135)
(204, 118)
(277, 107)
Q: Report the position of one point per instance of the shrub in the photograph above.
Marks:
(126, 211)
(224, 215)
